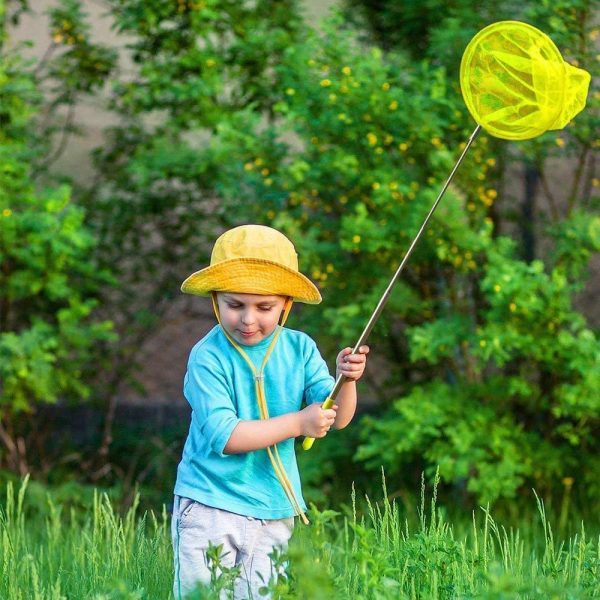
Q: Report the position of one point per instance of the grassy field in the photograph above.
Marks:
(56, 552)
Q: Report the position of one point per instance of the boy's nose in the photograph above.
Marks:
(247, 317)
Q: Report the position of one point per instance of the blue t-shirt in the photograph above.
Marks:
(219, 386)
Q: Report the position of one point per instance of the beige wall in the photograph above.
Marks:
(91, 114)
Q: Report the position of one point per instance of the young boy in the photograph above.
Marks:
(238, 483)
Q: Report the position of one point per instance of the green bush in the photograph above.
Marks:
(239, 111)
(47, 279)
(490, 371)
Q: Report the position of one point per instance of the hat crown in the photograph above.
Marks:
(255, 242)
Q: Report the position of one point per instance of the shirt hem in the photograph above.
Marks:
(235, 507)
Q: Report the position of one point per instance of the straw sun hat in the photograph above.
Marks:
(253, 259)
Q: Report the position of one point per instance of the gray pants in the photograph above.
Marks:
(246, 541)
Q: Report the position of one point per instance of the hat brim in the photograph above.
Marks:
(252, 276)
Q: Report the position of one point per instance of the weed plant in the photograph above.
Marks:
(372, 554)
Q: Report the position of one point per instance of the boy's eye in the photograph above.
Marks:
(237, 306)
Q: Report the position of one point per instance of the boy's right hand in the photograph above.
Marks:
(315, 421)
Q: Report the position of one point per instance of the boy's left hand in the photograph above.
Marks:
(352, 366)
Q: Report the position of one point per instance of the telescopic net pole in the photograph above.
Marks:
(385, 297)
(308, 441)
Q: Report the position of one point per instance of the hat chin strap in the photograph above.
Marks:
(261, 398)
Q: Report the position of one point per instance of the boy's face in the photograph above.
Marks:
(249, 318)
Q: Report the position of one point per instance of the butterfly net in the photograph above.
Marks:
(516, 84)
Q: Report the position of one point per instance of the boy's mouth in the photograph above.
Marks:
(247, 333)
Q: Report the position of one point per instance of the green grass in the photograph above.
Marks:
(54, 552)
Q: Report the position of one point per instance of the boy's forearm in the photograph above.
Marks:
(254, 435)
(346, 400)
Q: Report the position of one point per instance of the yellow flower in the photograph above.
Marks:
(325, 82)
(435, 141)
(268, 181)
(372, 138)
(356, 239)
(332, 98)
(311, 62)
(290, 91)
(210, 62)
(385, 87)
(512, 307)
(560, 142)
(264, 172)
(403, 147)
(271, 214)
(491, 193)
(393, 105)
(344, 89)
(379, 150)
(258, 161)
(568, 481)
(329, 268)
(388, 139)
(248, 166)
(595, 182)
(497, 288)
(57, 38)
(346, 70)
(376, 185)
(343, 199)
(482, 343)
(6, 212)
(393, 185)
(491, 161)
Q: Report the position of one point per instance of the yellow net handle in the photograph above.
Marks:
(308, 441)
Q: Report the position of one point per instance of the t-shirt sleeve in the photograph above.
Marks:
(206, 389)
(318, 383)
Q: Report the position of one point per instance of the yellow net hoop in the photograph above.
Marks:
(516, 84)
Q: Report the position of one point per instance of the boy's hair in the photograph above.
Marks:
(253, 259)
